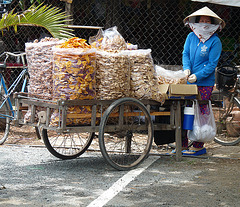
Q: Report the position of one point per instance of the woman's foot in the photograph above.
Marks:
(174, 151)
(194, 151)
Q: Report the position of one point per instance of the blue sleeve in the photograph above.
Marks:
(186, 54)
(210, 66)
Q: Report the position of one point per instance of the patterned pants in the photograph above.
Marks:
(205, 92)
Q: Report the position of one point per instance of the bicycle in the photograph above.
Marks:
(228, 100)
(7, 108)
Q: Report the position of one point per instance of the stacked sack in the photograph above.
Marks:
(74, 78)
(123, 71)
(40, 66)
(112, 75)
(144, 83)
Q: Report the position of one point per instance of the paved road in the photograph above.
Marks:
(33, 177)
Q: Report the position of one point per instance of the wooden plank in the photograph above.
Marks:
(38, 103)
(23, 108)
(78, 116)
(48, 116)
(33, 110)
(93, 117)
(178, 137)
(82, 27)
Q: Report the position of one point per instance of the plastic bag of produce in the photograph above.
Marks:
(74, 78)
(110, 39)
(40, 65)
(143, 84)
(204, 127)
(165, 76)
(112, 76)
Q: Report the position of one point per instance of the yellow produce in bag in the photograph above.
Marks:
(74, 79)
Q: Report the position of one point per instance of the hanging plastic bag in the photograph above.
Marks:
(204, 127)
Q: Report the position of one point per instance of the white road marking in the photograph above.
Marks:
(121, 183)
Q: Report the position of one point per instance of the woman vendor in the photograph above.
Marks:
(202, 50)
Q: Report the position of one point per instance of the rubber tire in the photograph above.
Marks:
(38, 133)
(104, 120)
(218, 140)
(4, 122)
(53, 150)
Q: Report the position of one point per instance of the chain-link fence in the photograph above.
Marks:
(155, 24)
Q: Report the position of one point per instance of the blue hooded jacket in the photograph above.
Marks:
(202, 58)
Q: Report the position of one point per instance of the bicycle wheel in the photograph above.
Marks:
(66, 145)
(5, 120)
(125, 133)
(228, 121)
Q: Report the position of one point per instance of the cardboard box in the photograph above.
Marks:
(179, 91)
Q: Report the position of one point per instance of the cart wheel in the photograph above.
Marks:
(66, 145)
(125, 133)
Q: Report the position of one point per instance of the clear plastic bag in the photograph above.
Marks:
(204, 127)
(73, 79)
(113, 40)
(95, 41)
(109, 39)
(40, 66)
(112, 79)
(143, 84)
(169, 76)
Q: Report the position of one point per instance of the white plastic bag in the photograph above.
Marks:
(169, 76)
(204, 127)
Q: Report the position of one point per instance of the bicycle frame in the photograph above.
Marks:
(8, 92)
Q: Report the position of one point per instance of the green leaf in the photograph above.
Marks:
(46, 16)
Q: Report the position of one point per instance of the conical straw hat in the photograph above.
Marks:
(205, 11)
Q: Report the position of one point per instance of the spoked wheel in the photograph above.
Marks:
(125, 133)
(228, 121)
(66, 145)
(5, 120)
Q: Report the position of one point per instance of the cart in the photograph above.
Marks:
(124, 127)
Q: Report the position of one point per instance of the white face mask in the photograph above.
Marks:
(203, 30)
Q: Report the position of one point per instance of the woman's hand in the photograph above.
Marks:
(192, 78)
(187, 72)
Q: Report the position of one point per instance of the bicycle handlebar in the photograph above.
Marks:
(16, 54)
(13, 54)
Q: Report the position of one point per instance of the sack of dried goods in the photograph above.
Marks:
(40, 64)
(143, 84)
(122, 69)
(110, 39)
(112, 76)
(39, 59)
(169, 76)
(74, 78)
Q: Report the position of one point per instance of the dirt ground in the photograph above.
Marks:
(26, 135)
(215, 174)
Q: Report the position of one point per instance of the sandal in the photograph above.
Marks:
(174, 151)
(194, 152)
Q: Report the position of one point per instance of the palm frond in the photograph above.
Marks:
(51, 18)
